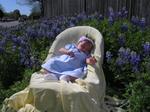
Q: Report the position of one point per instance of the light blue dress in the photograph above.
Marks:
(67, 65)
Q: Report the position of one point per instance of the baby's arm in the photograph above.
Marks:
(67, 52)
(91, 60)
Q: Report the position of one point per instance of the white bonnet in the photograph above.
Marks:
(82, 38)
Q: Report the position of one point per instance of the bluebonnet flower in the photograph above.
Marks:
(44, 26)
(23, 42)
(134, 60)
(93, 16)
(135, 20)
(81, 16)
(111, 16)
(123, 57)
(108, 56)
(100, 17)
(14, 47)
(123, 13)
(45, 21)
(57, 30)
(110, 20)
(27, 63)
(41, 33)
(119, 14)
(111, 12)
(73, 20)
(54, 26)
(146, 48)
(22, 51)
(71, 24)
(120, 62)
(31, 32)
(121, 40)
(121, 51)
(124, 27)
(16, 40)
(2, 42)
(50, 35)
(127, 54)
(22, 60)
(142, 23)
(124, 54)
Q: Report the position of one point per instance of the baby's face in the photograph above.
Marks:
(84, 46)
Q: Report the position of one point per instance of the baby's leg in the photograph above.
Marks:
(67, 78)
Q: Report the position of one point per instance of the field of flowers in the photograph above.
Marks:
(126, 61)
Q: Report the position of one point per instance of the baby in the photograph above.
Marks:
(73, 61)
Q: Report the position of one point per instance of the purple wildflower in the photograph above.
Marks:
(14, 47)
(134, 60)
(119, 62)
(146, 48)
(16, 40)
(124, 27)
(124, 54)
(135, 20)
(71, 24)
(81, 16)
(31, 32)
(90, 17)
(111, 12)
(111, 15)
(142, 23)
(100, 17)
(121, 51)
(27, 63)
(50, 35)
(40, 33)
(119, 14)
(2, 44)
(127, 53)
(108, 56)
(110, 20)
(124, 12)
(121, 40)
(57, 30)
(73, 20)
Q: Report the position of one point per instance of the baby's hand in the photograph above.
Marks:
(70, 53)
(91, 60)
